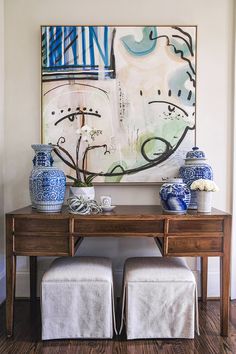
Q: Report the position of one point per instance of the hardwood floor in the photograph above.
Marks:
(27, 337)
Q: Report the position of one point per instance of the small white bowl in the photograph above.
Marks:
(108, 208)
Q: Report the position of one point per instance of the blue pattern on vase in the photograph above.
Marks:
(43, 159)
(195, 168)
(175, 196)
(47, 184)
(195, 153)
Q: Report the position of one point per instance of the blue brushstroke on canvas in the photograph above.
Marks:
(93, 37)
(83, 46)
(70, 48)
(70, 37)
(55, 47)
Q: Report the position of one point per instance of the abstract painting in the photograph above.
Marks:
(135, 85)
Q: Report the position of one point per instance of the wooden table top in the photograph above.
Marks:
(121, 211)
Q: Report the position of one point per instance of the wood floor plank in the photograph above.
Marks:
(27, 337)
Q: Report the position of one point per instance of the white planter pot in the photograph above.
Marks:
(204, 201)
(88, 193)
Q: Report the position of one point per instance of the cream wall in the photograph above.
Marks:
(2, 278)
(214, 100)
(233, 260)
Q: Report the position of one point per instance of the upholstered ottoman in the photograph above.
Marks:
(159, 298)
(77, 299)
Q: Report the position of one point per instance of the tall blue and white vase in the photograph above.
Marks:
(175, 196)
(195, 168)
(41, 159)
(47, 184)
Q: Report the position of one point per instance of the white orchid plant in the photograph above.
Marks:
(86, 135)
(205, 185)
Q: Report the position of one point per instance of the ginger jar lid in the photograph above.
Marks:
(174, 180)
(195, 153)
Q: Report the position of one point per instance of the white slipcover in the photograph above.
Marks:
(77, 299)
(159, 298)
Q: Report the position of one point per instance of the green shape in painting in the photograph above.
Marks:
(143, 47)
(178, 81)
(118, 167)
(183, 47)
(153, 146)
(150, 148)
(173, 130)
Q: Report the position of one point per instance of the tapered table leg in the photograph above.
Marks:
(10, 275)
(225, 278)
(204, 276)
(33, 278)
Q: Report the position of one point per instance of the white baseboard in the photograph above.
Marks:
(22, 283)
(213, 284)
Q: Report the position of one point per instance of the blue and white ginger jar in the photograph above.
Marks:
(195, 168)
(47, 184)
(175, 196)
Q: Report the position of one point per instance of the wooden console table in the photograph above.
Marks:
(29, 233)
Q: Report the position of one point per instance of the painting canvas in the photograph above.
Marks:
(135, 85)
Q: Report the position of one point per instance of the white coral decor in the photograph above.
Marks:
(204, 185)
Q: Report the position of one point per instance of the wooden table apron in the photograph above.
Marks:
(33, 234)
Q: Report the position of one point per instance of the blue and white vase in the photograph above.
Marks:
(41, 159)
(195, 168)
(175, 196)
(47, 184)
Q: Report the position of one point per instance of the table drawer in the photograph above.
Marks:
(116, 227)
(36, 245)
(181, 226)
(175, 245)
(41, 225)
